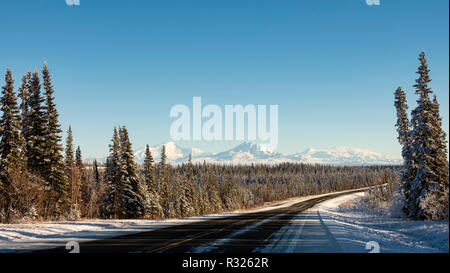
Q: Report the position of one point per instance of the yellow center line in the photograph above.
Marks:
(172, 245)
(184, 241)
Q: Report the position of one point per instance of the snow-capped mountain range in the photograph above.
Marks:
(248, 153)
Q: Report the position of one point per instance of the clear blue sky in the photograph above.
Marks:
(331, 66)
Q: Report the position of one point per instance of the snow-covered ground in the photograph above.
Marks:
(341, 225)
(18, 237)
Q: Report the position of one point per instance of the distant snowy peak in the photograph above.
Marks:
(173, 152)
(252, 147)
(245, 152)
(254, 153)
(344, 156)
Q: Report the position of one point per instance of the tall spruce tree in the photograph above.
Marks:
(36, 128)
(111, 204)
(185, 199)
(435, 203)
(153, 207)
(191, 193)
(133, 199)
(54, 161)
(73, 181)
(11, 141)
(124, 197)
(403, 125)
(213, 192)
(149, 169)
(69, 158)
(404, 138)
(24, 94)
(424, 144)
(163, 184)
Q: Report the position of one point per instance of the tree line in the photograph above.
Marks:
(424, 181)
(42, 180)
(30, 145)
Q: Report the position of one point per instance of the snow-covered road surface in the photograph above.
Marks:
(340, 225)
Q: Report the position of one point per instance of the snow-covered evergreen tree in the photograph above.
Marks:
(440, 156)
(403, 126)
(36, 128)
(404, 138)
(69, 161)
(153, 208)
(73, 178)
(425, 143)
(131, 195)
(53, 159)
(69, 158)
(96, 173)
(110, 207)
(24, 95)
(78, 158)
(163, 184)
(191, 191)
(149, 169)
(185, 200)
(229, 193)
(213, 193)
(435, 204)
(11, 141)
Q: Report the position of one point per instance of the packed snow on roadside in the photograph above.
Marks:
(343, 225)
(22, 237)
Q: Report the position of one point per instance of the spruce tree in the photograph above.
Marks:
(36, 128)
(440, 154)
(10, 143)
(190, 190)
(78, 159)
(435, 203)
(111, 204)
(73, 177)
(424, 144)
(96, 173)
(153, 207)
(213, 192)
(54, 161)
(185, 199)
(24, 94)
(149, 169)
(230, 196)
(132, 197)
(403, 126)
(404, 138)
(86, 187)
(69, 158)
(163, 184)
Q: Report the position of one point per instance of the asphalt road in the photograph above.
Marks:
(232, 234)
